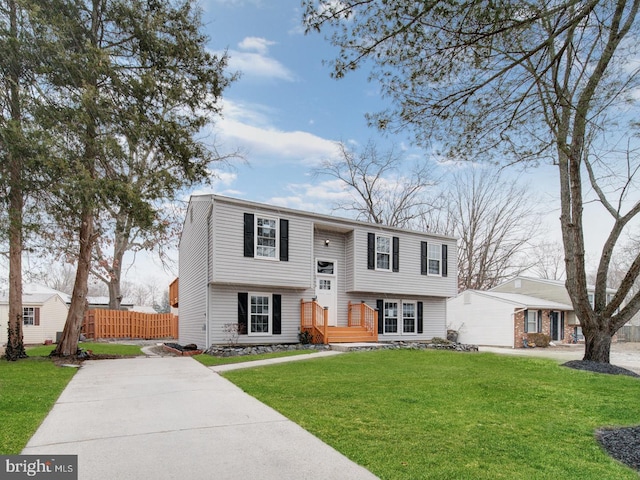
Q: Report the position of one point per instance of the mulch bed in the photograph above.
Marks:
(623, 444)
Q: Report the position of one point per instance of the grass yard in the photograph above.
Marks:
(28, 390)
(211, 360)
(98, 348)
(406, 414)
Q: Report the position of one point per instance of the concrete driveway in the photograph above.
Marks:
(171, 417)
(626, 355)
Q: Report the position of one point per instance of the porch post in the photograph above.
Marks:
(326, 321)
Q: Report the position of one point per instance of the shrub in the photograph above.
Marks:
(538, 339)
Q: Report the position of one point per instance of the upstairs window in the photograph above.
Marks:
(266, 237)
(383, 253)
(434, 259)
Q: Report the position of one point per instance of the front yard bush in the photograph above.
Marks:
(538, 339)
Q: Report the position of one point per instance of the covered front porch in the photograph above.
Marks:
(362, 324)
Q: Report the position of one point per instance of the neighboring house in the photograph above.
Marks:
(44, 314)
(505, 319)
(554, 290)
(103, 303)
(261, 271)
(538, 306)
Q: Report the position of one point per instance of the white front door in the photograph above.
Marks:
(327, 287)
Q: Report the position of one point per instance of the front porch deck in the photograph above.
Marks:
(362, 324)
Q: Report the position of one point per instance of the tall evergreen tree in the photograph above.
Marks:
(123, 79)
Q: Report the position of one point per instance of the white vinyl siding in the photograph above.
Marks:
(223, 303)
(480, 320)
(230, 266)
(193, 254)
(408, 282)
(53, 315)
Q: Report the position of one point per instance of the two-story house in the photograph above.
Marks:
(269, 273)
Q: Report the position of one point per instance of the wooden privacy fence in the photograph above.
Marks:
(629, 333)
(124, 324)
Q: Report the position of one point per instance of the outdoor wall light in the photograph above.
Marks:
(327, 242)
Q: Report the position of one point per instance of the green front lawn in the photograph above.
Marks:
(211, 360)
(28, 390)
(407, 414)
(97, 348)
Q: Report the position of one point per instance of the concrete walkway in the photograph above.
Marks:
(622, 355)
(171, 417)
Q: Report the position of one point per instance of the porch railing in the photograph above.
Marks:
(314, 320)
(362, 315)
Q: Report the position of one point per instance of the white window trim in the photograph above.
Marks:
(250, 314)
(390, 253)
(429, 247)
(400, 317)
(415, 317)
(32, 316)
(255, 237)
(537, 321)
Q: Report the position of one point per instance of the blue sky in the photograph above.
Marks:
(285, 113)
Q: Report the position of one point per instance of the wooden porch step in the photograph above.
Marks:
(349, 335)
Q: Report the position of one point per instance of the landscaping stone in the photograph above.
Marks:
(237, 350)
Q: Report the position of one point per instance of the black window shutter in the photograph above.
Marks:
(561, 325)
(539, 321)
(277, 314)
(396, 254)
(424, 264)
(371, 251)
(420, 316)
(248, 235)
(243, 320)
(380, 307)
(36, 316)
(284, 240)
(444, 260)
(526, 321)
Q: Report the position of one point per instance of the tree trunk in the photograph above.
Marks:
(15, 342)
(115, 295)
(68, 344)
(597, 346)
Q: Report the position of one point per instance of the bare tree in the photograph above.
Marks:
(379, 189)
(531, 81)
(549, 260)
(494, 221)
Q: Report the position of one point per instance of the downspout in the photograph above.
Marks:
(207, 325)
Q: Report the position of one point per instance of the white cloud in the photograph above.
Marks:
(257, 44)
(248, 126)
(318, 197)
(252, 59)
